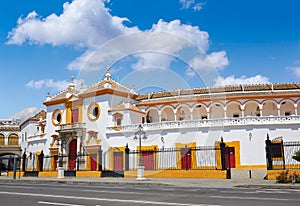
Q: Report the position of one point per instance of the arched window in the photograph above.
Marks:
(2, 140)
(13, 140)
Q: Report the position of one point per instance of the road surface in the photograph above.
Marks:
(29, 194)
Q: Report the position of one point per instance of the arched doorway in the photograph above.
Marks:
(72, 154)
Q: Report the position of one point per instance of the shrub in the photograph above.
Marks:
(285, 177)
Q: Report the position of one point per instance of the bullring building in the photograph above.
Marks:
(107, 115)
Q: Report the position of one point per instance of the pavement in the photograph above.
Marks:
(178, 182)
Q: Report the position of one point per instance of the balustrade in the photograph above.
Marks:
(270, 120)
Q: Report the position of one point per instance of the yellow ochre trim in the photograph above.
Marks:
(53, 117)
(90, 117)
(80, 113)
(236, 145)
(272, 174)
(111, 156)
(149, 148)
(180, 146)
(212, 174)
(89, 174)
(68, 114)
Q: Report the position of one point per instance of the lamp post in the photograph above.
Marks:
(60, 160)
(139, 134)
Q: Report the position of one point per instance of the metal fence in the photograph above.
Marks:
(194, 158)
(280, 155)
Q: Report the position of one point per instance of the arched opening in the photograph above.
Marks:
(13, 140)
(234, 110)
(252, 109)
(183, 113)
(199, 112)
(287, 108)
(7, 161)
(167, 114)
(72, 154)
(216, 111)
(269, 109)
(152, 116)
(2, 140)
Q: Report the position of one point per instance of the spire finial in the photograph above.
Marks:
(48, 97)
(107, 74)
(72, 83)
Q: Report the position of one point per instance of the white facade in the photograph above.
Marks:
(107, 115)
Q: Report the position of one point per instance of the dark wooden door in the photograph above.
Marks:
(118, 161)
(72, 154)
(93, 162)
(148, 160)
(186, 159)
(230, 157)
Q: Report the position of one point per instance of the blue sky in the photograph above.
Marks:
(211, 42)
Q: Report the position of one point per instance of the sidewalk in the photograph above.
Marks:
(209, 183)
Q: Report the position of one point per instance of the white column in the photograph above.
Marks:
(296, 109)
(278, 110)
(242, 107)
(208, 112)
(225, 112)
(260, 109)
(159, 116)
(191, 114)
(175, 114)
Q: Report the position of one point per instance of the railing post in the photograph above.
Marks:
(127, 150)
(269, 153)
(78, 156)
(15, 167)
(100, 153)
(24, 162)
(0, 166)
(223, 154)
(41, 161)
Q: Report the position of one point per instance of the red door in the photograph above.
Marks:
(118, 161)
(74, 115)
(72, 154)
(93, 162)
(230, 157)
(148, 160)
(186, 160)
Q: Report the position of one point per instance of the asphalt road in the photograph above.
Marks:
(13, 194)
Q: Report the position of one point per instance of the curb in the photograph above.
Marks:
(271, 187)
(70, 181)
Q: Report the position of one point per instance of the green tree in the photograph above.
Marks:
(297, 156)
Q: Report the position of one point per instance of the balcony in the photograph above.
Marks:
(206, 123)
(38, 137)
(71, 127)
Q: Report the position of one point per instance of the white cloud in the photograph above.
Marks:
(89, 24)
(26, 113)
(187, 4)
(215, 60)
(232, 80)
(295, 70)
(48, 83)
(190, 72)
(82, 23)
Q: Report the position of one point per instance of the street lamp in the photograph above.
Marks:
(139, 134)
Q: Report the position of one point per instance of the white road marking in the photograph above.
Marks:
(105, 199)
(113, 192)
(250, 198)
(56, 203)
